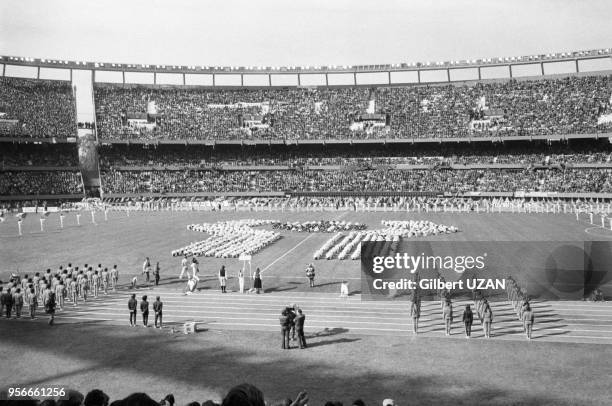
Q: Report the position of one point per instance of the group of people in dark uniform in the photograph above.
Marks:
(292, 323)
(144, 310)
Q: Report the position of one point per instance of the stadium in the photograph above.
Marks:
(379, 201)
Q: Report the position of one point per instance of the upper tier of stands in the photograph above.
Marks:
(36, 108)
(574, 104)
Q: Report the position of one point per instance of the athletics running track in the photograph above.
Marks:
(574, 322)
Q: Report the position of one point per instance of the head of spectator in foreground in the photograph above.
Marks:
(136, 399)
(73, 398)
(358, 402)
(388, 402)
(96, 398)
(244, 395)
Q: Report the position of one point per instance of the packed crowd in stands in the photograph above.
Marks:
(542, 107)
(36, 108)
(18, 155)
(40, 183)
(393, 180)
(583, 151)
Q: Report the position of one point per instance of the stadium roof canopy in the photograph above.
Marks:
(418, 66)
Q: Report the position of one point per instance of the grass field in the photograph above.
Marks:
(126, 241)
(339, 366)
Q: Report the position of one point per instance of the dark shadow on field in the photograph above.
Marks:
(279, 289)
(136, 350)
(326, 332)
(331, 342)
(319, 285)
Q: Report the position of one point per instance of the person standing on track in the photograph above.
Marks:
(487, 320)
(528, 319)
(104, 278)
(157, 308)
(50, 304)
(18, 302)
(257, 281)
(299, 328)
(84, 287)
(468, 319)
(310, 274)
(73, 292)
(156, 274)
(146, 269)
(447, 314)
(241, 281)
(285, 325)
(222, 279)
(32, 303)
(195, 270)
(132, 307)
(114, 277)
(95, 283)
(415, 313)
(144, 309)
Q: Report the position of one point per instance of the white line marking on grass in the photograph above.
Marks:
(297, 245)
(285, 254)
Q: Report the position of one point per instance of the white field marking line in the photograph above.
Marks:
(298, 244)
(285, 254)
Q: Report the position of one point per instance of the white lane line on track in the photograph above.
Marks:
(315, 321)
(505, 336)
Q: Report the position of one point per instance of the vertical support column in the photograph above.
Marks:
(355, 78)
(38, 72)
(326, 79)
(389, 76)
(270, 79)
(448, 74)
(3, 69)
(214, 84)
(93, 72)
(479, 73)
(123, 75)
(154, 78)
(542, 68)
(242, 79)
(418, 76)
(299, 79)
(510, 70)
(577, 67)
(184, 81)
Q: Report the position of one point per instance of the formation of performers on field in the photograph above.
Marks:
(516, 296)
(53, 290)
